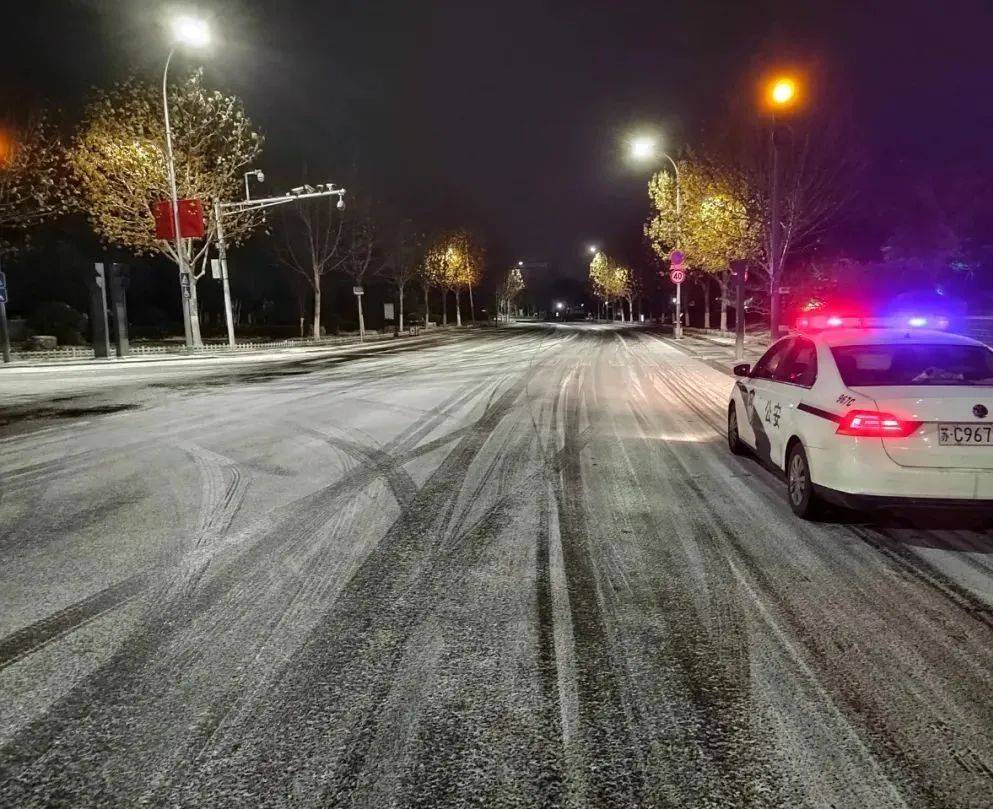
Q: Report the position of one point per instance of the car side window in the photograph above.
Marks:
(800, 367)
(766, 367)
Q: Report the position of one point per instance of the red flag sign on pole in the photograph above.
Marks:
(191, 220)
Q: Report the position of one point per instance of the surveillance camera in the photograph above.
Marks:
(341, 204)
(298, 190)
(260, 176)
(310, 189)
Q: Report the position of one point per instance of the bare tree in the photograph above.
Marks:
(360, 250)
(313, 245)
(402, 262)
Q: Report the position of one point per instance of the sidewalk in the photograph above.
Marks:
(717, 348)
(80, 357)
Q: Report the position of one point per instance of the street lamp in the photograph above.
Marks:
(643, 148)
(781, 95)
(782, 91)
(191, 31)
(194, 33)
(259, 176)
(593, 249)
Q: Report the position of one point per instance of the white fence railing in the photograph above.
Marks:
(86, 352)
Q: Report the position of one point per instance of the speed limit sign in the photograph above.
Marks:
(677, 276)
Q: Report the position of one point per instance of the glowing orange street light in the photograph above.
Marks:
(782, 92)
(6, 149)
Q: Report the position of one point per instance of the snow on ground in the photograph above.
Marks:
(516, 568)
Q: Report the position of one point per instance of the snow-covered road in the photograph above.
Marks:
(513, 568)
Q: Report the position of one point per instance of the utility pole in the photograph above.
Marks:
(781, 96)
(775, 257)
(185, 280)
(740, 273)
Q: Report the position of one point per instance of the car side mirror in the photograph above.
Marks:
(742, 370)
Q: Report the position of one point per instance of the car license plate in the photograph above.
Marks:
(965, 435)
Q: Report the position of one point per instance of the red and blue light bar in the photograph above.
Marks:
(823, 322)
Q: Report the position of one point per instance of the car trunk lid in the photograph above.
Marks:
(939, 409)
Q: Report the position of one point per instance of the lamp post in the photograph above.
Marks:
(644, 149)
(781, 96)
(192, 32)
(258, 175)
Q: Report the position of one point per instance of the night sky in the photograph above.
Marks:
(511, 116)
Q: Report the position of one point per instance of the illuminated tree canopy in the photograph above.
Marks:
(716, 223)
(609, 279)
(33, 170)
(119, 159)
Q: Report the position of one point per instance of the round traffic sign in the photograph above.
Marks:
(677, 276)
(677, 257)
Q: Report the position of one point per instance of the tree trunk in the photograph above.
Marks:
(358, 300)
(427, 306)
(472, 307)
(630, 309)
(724, 300)
(706, 302)
(444, 307)
(400, 321)
(317, 306)
(458, 307)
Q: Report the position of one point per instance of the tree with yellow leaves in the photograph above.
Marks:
(610, 280)
(118, 157)
(454, 262)
(512, 286)
(716, 222)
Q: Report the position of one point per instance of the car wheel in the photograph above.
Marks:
(735, 444)
(799, 487)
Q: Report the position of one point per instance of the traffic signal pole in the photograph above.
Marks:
(222, 257)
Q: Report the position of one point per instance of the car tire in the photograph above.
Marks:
(735, 444)
(799, 487)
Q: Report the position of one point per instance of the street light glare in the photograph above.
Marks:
(783, 91)
(191, 31)
(643, 148)
(593, 248)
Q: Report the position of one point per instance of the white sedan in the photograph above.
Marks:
(870, 417)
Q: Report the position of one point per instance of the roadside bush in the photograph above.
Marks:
(60, 320)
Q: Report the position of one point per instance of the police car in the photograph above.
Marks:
(870, 417)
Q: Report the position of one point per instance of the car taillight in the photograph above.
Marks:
(872, 424)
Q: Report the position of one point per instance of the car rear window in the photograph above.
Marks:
(914, 364)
